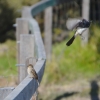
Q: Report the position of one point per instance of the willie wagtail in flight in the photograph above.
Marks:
(80, 27)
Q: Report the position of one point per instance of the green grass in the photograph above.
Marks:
(74, 62)
(67, 64)
(8, 58)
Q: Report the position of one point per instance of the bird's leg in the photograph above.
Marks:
(82, 37)
(30, 76)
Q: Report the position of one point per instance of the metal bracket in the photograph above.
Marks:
(22, 65)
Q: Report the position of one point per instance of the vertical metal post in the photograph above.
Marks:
(26, 12)
(5, 92)
(85, 14)
(26, 51)
(22, 28)
(48, 32)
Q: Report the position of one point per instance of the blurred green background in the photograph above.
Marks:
(68, 63)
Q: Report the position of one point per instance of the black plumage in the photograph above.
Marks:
(80, 27)
(83, 24)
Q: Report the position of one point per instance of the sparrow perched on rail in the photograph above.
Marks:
(80, 27)
(32, 73)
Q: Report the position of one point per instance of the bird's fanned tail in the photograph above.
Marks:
(70, 41)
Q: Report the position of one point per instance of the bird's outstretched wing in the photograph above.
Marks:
(76, 25)
(81, 26)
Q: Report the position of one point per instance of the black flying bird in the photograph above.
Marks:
(80, 27)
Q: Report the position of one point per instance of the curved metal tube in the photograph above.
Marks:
(39, 7)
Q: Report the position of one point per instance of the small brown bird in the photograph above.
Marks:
(32, 73)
